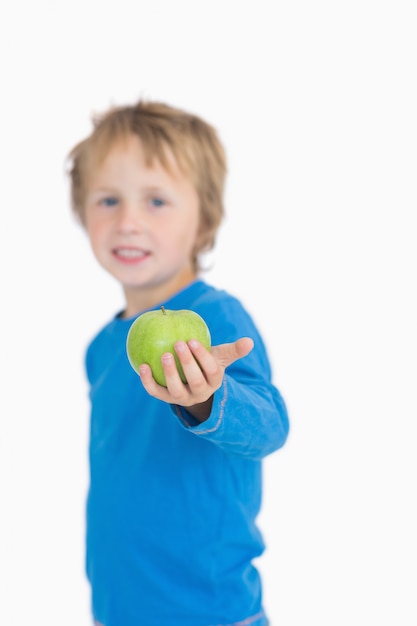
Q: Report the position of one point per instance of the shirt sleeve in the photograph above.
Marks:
(248, 421)
(249, 416)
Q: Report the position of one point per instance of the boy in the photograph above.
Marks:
(175, 483)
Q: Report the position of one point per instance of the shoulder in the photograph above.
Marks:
(229, 319)
(224, 313)
(208, 296)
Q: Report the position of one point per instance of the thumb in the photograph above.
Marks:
(228, 353)
(244, 346)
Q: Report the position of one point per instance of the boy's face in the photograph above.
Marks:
(142, 222)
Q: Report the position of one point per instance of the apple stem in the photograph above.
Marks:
(163, 310)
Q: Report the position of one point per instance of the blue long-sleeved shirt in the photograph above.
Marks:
(172, 504)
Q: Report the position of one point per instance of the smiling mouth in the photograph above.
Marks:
(130, 254)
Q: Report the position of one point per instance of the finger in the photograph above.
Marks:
(148, 381)
(244, 345)
(145, 373)
(170, 368)
(190, 362)
(175, 391)
(228, 353)
(204, 361)
(178, 390)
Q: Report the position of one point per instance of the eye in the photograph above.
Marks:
(109, 201)
(157, 202)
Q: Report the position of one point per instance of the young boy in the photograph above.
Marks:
(175, 483)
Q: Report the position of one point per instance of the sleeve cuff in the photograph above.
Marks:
(216, 416)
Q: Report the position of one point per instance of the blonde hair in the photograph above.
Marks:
(193, 142)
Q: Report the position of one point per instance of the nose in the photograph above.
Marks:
(129, 218)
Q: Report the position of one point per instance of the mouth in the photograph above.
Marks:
(130, 255)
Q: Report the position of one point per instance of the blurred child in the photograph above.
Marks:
(175, 485)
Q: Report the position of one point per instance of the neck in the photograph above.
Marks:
(140, 299)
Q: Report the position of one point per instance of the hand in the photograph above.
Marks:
(203, 380)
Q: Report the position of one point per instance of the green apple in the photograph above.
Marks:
(155, 332)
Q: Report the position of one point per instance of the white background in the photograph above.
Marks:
(316, 104)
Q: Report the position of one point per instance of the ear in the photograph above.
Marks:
(205, 236)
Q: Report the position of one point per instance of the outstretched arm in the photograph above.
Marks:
(203, 369)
